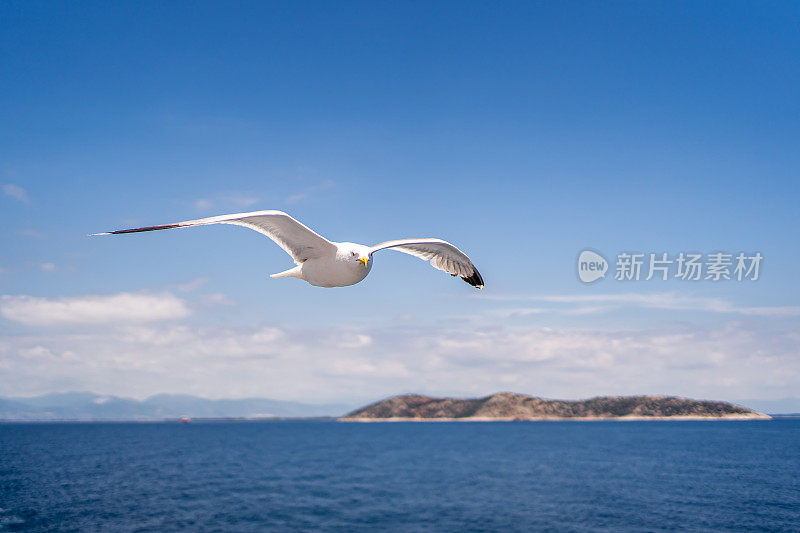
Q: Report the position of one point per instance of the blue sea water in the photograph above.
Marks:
(329, 476)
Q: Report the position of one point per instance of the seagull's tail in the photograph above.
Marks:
(291, 273)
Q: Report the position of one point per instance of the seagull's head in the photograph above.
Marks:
(361, 254)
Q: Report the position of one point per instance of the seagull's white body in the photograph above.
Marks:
(323, 263)
(338, 270)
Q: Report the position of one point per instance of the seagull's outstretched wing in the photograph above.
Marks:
(441, 254)
(295, 238)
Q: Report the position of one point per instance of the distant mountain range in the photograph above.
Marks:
(90, 406)
(510, 406)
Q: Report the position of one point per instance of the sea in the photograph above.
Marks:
(425, 476)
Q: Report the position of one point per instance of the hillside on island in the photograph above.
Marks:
(510, 406)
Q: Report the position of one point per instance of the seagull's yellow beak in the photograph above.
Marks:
(364, 259)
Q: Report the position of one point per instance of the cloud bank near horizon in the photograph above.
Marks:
(138, 344)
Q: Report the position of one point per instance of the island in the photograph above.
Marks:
(510, 406)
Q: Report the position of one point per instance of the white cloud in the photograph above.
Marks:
(242, 199)
(47, 267)
(596, 303)
(16, 192)
(192, 284)
(785, 310)
(354, 340)
(309, 191)
(134, 344)
(97, 309)
(32, 233)
(216, 299)
(36, 352)
(518, 312)
(722, 361)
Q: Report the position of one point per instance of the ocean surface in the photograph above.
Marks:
(329, 476)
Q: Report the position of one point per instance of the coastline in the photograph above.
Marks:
(759, 416)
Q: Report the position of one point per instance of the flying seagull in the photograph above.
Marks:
(323, 263)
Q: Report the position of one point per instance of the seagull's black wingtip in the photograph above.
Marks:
(474, 279)
(148, 228)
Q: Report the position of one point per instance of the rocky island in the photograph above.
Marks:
(510, 406)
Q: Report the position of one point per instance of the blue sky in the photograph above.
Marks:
(522, 133)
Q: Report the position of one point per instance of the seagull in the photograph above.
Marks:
(324, 263)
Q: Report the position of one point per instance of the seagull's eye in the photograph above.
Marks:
(353, 254)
